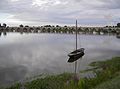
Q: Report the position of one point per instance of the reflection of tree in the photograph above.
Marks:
(4, 33)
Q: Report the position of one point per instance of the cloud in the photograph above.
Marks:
(111, 4)
(59, 11)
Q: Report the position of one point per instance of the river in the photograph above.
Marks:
(25, 55)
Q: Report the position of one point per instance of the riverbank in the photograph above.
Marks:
(106, 76)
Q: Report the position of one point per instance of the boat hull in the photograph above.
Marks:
(75, 55)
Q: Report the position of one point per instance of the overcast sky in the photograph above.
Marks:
(62, 12)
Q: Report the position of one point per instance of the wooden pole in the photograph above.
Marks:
(76, 49)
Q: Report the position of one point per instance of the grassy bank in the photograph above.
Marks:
(107, 76)
(111, 84)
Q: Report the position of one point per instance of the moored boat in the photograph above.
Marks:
(75, 55)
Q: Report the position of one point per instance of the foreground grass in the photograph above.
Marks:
(112, 84)
(49, 82)
(107, 76)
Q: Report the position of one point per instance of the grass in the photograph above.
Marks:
(105, 71)
(49, 82)
(112, 84)
(107, 76)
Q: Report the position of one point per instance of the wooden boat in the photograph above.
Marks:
(75, 55)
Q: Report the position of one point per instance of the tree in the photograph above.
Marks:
(0, 24)
(65, 26)
(26, 26)
(4, 24)
(57, 26)
(118, 24)
(47, 26)
(53, 26)
(21, 25)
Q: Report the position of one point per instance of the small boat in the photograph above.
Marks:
(75, 55)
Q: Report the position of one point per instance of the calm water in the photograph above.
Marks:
(26, 55)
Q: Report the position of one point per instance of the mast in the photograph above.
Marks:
(76, 49)
(76, 34)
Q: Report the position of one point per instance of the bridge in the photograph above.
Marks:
(63, 30)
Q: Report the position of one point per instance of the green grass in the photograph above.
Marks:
(105, 71)
(107, 76)
(49, 82)
(112, 84)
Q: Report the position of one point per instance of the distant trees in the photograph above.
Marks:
(65, 26)
(57, 26)
(118, 24)
(21, 25)
(26, 26)
(47, 26)
(53, 26)
(4, 24)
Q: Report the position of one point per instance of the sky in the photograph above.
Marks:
(61, 12)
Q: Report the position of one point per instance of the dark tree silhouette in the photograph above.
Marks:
(21, 25)
(26, 26)
(47, 26)
(118, 24)
(53, 26)
(65, 26)
(57, 26)
(4, 24)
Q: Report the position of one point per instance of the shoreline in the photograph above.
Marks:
(109, 70)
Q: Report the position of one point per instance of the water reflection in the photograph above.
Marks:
(0, 33)
(11, 74)
(4, 33)
(32, 54)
